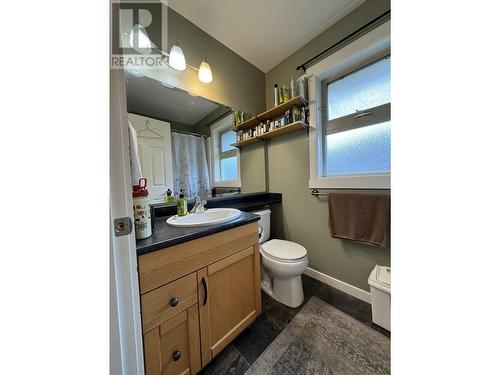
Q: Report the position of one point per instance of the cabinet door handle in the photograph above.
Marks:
(176, 355)
(205, 289)
(174, 302)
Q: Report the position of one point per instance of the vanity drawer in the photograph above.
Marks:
(163, 303)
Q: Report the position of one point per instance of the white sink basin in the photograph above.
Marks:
(209, 217)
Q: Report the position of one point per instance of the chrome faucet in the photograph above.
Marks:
(199, 205)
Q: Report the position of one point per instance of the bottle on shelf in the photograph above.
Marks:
(287, 117)
(286, 93)
(276, 95)
(296, 113)
(303, 87)
(293, 88)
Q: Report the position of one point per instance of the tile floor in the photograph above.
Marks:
(237, 357)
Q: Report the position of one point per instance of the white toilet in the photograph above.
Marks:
(282, 264)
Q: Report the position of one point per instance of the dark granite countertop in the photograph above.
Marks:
(242, 201)
(165, 235)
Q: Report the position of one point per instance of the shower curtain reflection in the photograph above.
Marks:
(190, 165)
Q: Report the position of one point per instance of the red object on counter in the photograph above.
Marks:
(140, 190)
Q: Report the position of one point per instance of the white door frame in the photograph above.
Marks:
(125, 316)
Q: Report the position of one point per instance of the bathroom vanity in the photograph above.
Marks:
(200, 288)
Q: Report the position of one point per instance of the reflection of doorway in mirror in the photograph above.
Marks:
(155, 154)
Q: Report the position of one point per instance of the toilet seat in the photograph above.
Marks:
(284, 251)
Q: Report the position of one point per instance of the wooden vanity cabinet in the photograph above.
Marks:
(229, 292)
(196, 297)
(173, 347)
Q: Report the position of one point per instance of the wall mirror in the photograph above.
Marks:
(184, 141)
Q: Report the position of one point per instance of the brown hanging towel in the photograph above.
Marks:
(360, 217)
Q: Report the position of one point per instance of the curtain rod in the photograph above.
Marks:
(188, 133)
(304, 65)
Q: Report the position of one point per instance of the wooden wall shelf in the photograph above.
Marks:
(294, 126)
(284, 130)
(282, 108)
(246, 142)
(271, 113)
(250, 123)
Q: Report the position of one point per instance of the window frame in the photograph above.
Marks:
(226, 154)
(218, 155)
(368, 48)
(351, 121)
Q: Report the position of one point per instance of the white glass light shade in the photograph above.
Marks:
(176, 59)
(139, 40)
(205, 74)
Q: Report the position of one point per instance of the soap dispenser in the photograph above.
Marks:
(168, 197)
(182, 205)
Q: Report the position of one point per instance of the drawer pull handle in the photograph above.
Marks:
(177, 355)
(205, 289)
(174, 302)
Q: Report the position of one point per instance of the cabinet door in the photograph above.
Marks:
(174, 347)
(229, 299)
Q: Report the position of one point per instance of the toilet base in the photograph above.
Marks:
(266, 283)
(288, 290)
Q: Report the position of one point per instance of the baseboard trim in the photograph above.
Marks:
(340, 285)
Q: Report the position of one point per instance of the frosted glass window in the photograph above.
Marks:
(366, 88)
(226, 139)
(359, 151)
(229, 168)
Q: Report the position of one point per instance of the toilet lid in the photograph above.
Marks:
(285, 250)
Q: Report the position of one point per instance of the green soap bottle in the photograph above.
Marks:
(168, 197)
(182, 207)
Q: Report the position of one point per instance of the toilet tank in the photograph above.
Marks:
(265, 224)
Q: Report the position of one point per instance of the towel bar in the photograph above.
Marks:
(318, 194)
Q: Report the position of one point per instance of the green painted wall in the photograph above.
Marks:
(253, 170)
(236, 84)
(303, 218)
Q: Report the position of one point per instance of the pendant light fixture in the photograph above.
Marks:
(205, 73)
(176, 58)
(139, 40)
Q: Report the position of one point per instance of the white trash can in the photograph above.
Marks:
(380, 288)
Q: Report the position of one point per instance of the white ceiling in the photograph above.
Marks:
(148, 97)
(264, 32)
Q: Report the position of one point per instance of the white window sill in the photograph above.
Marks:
(374, 181)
